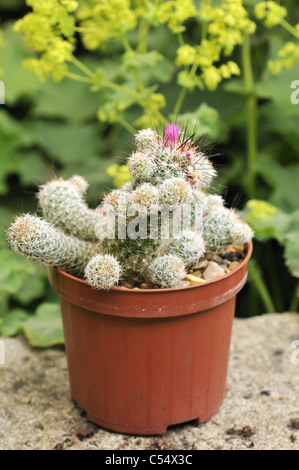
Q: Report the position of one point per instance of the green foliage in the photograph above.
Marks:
(44, 329)
(11, 324)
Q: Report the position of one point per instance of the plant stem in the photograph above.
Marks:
(78, 78)
(261, 288)
(251, 106)
(183, 93)
(127, 125)
(116, 86)
(179, 102)
(288, 27)
(82, 67)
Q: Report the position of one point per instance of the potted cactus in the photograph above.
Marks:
(147, 282)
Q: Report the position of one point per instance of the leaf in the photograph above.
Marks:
(32, 168)
(6, 217)
(68, 100)
(286, 127)
(11, 324)
(45, 328)
(10, 138)
(204, 119)
(19, 82)
(33, 287)
(292, 252)
(68, 142)
(20, 277)
(278, 89)
(284, 182)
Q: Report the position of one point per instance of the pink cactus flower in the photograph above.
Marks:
(172, 133)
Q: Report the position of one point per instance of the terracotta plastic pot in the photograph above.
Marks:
(142, 360)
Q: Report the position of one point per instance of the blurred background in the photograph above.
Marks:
(81, 77)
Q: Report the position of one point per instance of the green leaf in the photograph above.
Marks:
(292, 252)
(5, 220)
(271, 117)
(10, 138)
(33, 169)
(11, 324)
(20, 277)
(68, 142)
(45, 329)
(33, 287)
(205, 119)
(19, 82)
(284, 182)
(69, 100)
(278, 89)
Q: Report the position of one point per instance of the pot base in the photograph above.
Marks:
(146, 430)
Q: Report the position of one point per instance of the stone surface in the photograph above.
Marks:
(212, 271)
(260, 410)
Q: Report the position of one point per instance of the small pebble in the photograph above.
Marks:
(234, 265)
(201, 264)
(217, 258)
(239, 248)
(194, 279)
(196, 273)
(212, 271)
(225, 261)
(146, 285)
(183, 284)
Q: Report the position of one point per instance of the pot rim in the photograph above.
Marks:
(249, 247)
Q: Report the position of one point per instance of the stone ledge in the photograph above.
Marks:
(260, 410)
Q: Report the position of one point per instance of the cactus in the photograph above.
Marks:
(167, 271)
(139, 225)
(189, 247)
(222, 227)
(40, 241)
(103, 272)
(62, 203)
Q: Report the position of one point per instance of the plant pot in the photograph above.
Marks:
(142, 360)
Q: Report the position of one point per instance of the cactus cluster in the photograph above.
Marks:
(129, 234)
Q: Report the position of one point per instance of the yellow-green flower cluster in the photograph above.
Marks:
(49, 29)
(119, 173)
(175, 13)
(271, 12)
(224, 28)
(274, 14)
(101, 21)
(287, 57)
